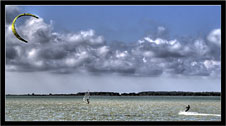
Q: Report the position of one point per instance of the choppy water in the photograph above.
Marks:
(113, 108)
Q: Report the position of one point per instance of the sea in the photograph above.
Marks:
(112, 108)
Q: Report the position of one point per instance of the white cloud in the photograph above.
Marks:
(157, 41)
(209, 64)
(70, 62)
(201, 47)
(76, 59)
(161, 29)
(215, 37)
(36, 31)
(148, 53)
(102, 51)
(32, 53)
(144, 60)
(175, 45)
(48, 50)
(121, 54)
(193, 63)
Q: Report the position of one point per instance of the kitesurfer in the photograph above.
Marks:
(187, 108)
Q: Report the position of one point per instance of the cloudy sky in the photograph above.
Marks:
(113, 48)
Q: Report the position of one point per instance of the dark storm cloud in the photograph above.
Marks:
(84, 51)
(53, 52)
(11, 13)
(11, 53)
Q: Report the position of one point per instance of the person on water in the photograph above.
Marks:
(87, 101)
(187, 108)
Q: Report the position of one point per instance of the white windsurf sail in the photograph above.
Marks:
(86, 96)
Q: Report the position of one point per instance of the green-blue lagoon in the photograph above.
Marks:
(113, 108)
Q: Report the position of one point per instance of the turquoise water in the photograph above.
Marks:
(113, 108)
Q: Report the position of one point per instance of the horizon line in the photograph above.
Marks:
(114, 92)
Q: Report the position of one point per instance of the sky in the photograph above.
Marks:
(73, 49)
(116, 23)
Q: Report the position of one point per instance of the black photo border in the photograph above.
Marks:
(19, 2)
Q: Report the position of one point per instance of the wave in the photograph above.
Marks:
(196, 113)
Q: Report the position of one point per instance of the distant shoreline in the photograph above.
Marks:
(147, 93)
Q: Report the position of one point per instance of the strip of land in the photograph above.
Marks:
(146, 93)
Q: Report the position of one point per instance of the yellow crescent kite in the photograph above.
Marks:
(13, 25)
